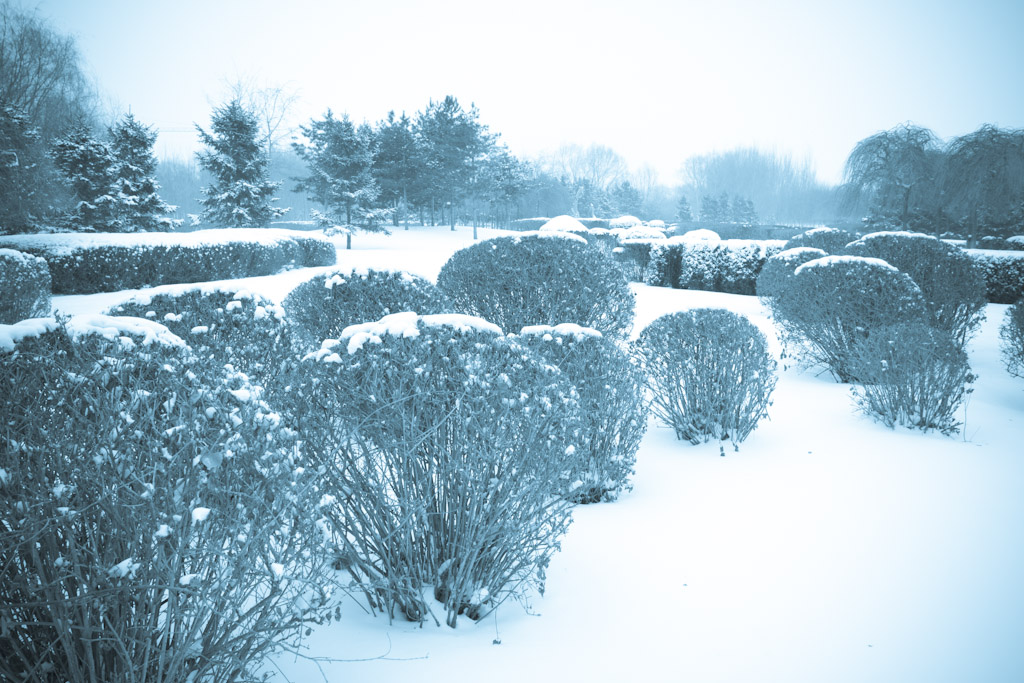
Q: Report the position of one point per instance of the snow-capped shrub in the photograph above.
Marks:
(710, 373)
(223, 327)
(530, 280)
(624, 222)
(833, 302)
(1011, 334)
(611, 396)
(1003, 273)
(779, 269)
(642, 232)
(25, 283)
(656, 224)
(829, 240)
(321, 307)
(92, 263)
(158, 523)
(446, 447)
(730, 266)
(528, 224)
(564, 224)
(912, 374)
(699, 235)
(952, 285)
(633, 257)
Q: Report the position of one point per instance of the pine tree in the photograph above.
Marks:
(683, 210)
(240, 195)
(397, 163)
(139, 207)
(88, 166)
(340, 160)
(626, 199)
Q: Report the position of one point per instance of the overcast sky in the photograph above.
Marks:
(657, 81)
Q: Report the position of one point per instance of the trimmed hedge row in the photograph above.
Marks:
(85, 264)
(730, 266)
(25, 283)
(1004, 274)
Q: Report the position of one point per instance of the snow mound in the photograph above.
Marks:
(563, 224)
(624, 222)
(549, 234)
(834, 259)
(26, 260)
(641, 232)
(562, 330)
(404, 324)
(106, 326)
(700, 235)
(656, 224)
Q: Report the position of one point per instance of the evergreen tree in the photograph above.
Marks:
(29, 186)
(710, 210)
(626, 199)
(683, 210)
(397, 163)
(139, 207)
(508, 181)
(340, 161)
(240, 195)
(453, 140)
(88, 166)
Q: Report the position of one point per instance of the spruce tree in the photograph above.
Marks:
(710, 210)
(139, 207)
(340, 160)
(88, 166)
(683, 210)
(397, 163)
(241, 195)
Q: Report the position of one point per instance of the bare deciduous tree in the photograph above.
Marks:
(271, 104)
(41, 73)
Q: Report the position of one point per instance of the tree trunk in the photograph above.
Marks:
(348, 240)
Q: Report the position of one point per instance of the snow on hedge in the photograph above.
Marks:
(550, 234)
(561, 330)
(624, 222)
(404, 324)
(67, 242)
(108, 327)
(834, 259)
(563, 224)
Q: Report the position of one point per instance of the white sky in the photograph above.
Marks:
(657, 81)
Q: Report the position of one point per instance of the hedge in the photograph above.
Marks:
(25, 284)
(1004, 274)
(730, 266)
(89, 263)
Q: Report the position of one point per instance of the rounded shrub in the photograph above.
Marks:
(447, 448)
(565, 224)
(1011, 335)
(239, 328)
(709, 372)
(912, 374)
(830, 303)
(778, 270)
(829, 240)
(321, 307)
(25, 283)
(953, 286)
(611, 396)
(158, 523)
(540, 279)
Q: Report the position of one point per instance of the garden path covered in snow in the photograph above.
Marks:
(828, 548)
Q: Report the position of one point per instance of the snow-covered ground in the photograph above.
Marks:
(829, 548)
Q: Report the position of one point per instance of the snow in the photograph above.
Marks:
(25, 260)
(200, 514)
(834, 259)
(624, 222)
(549, 234)
(109, 327)
(563, 224)
(828, 548)
(700, 235)
(562, 330)
(403, 324)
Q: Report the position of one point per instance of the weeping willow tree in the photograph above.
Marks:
(895, 174)
(984, 180)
